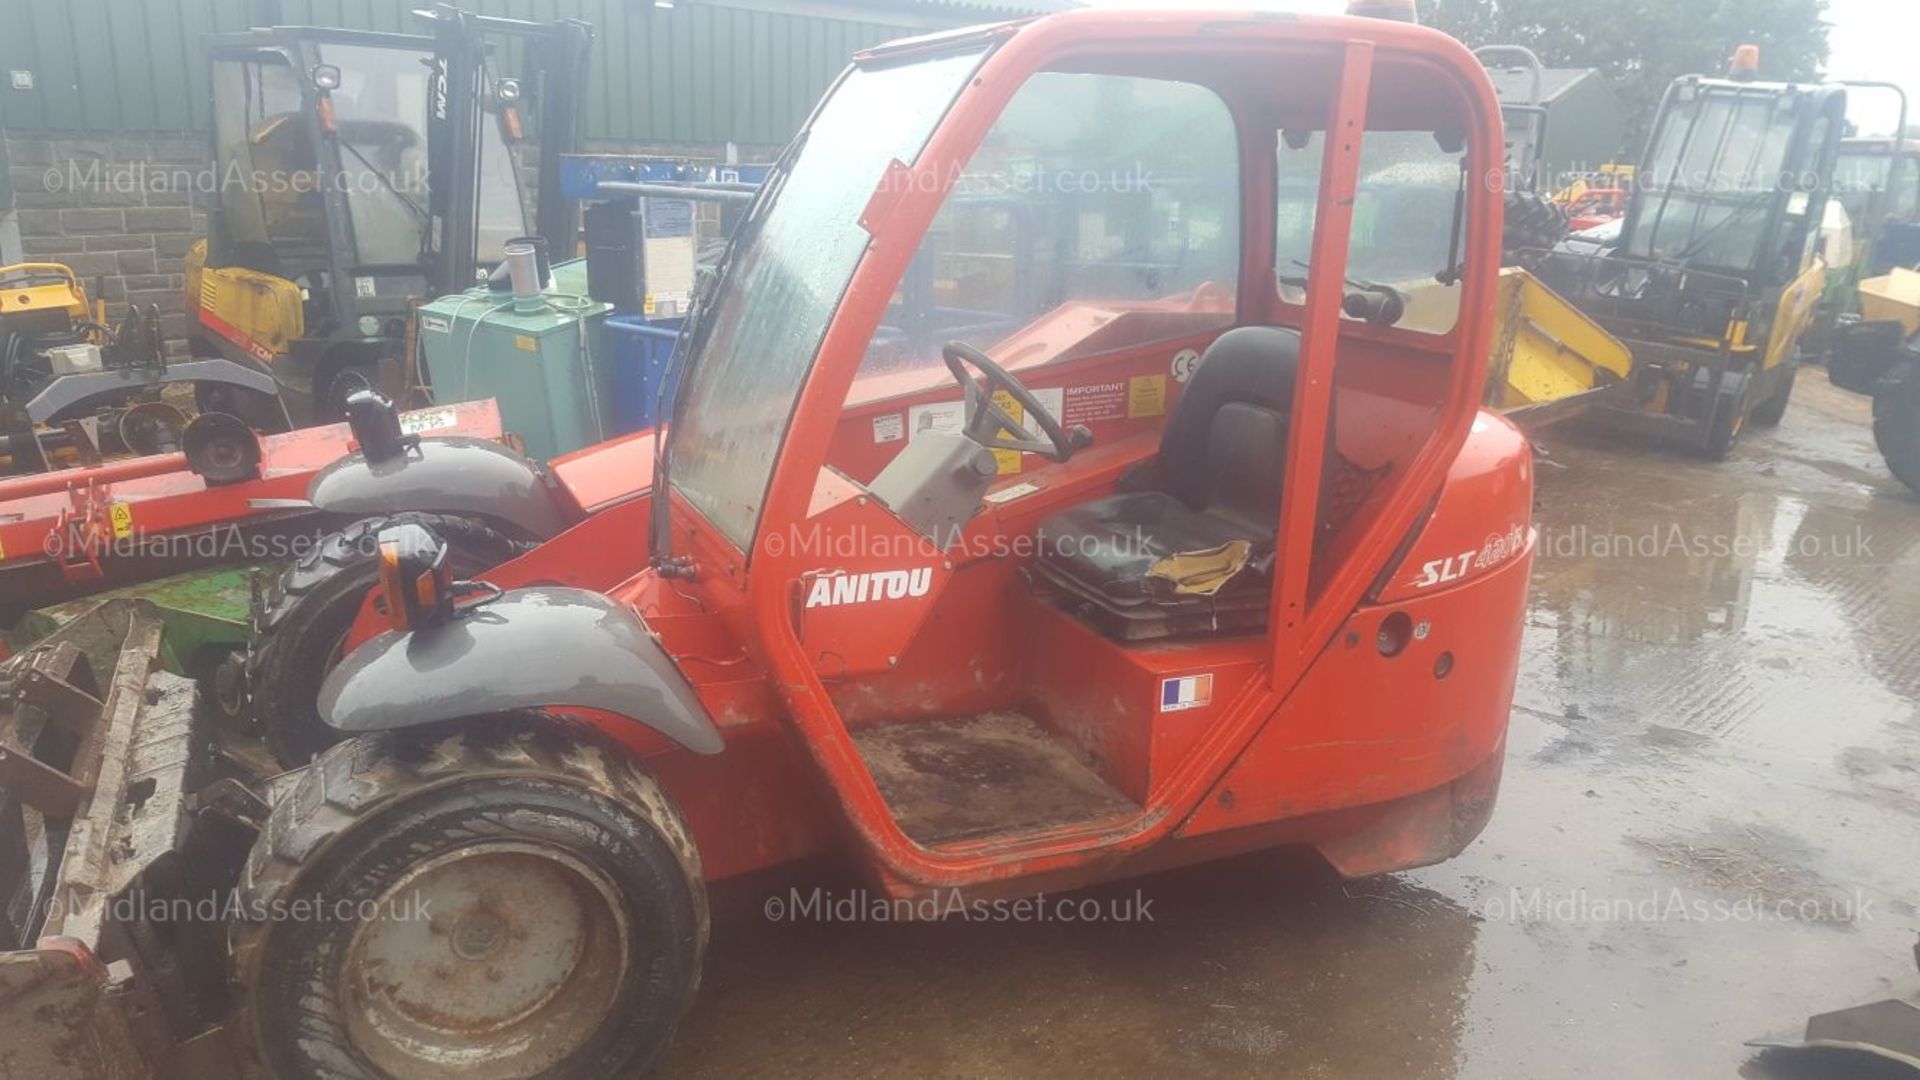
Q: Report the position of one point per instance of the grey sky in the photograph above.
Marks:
(1873, 39)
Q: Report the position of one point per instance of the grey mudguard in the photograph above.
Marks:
(531, 648)
(450, 474)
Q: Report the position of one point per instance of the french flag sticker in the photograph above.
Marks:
(1186, 692)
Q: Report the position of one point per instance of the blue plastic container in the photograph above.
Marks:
(642, 356)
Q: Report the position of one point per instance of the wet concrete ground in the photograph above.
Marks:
(1710, 827)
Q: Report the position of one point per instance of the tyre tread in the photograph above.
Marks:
(277, 687)
(351, 782)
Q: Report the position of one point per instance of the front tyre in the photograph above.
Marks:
(1896, 429)
(1770, 412)
(1732, 407)
(299, 635)
(514, 900)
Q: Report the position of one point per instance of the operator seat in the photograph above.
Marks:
(1216, 479)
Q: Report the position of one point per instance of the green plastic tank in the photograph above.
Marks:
(549, 370)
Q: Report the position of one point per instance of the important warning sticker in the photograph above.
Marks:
(1095, 402)
(938, 416)
(889, 428)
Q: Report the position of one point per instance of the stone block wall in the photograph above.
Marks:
(121, 210)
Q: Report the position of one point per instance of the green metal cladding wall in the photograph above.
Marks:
(696, 73)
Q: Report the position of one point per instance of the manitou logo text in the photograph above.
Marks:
(861, 588)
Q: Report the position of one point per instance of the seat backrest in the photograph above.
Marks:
(1246, 451)
(1210, 454)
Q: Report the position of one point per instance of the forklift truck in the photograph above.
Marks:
(1196, 551)
(1718, 268)
(362, 171)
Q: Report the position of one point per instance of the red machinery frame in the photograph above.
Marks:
(69, 531)
(1381, 760)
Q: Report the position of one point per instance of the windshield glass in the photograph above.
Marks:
(774, 304)
(1106, 197)
(381, 111)
(271, 199)
(1867, 182)
(1860, 182)
(1714, 169)
(1404, 217)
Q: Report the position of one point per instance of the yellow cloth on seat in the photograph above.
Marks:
(1203, 573)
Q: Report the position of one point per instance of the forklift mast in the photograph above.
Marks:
(557, 56)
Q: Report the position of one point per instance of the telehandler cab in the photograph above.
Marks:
(1719, 265)
(1183, 544)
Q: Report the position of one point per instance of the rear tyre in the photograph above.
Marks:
(1896, 430)
(299, 634)
(513, 900)
(1770, 412)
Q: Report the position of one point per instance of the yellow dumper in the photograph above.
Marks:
(1549, 359)
(1877, 355)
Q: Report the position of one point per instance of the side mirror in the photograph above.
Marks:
(326, 77)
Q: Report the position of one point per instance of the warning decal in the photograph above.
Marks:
(1095, 402)
(1146, 396)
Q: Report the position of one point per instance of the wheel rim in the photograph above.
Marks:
(491, 962)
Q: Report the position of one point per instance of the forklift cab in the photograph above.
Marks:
(1203, 419)
(331, 121)
(360, 170)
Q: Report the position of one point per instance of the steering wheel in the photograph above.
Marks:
(990, 426)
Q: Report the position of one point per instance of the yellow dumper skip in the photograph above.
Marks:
(1548, 357)
(1893, 297)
